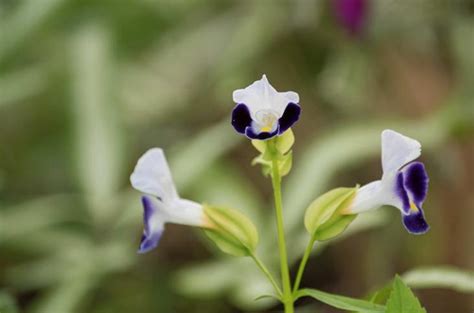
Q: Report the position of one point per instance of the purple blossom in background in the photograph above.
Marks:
(351, 14)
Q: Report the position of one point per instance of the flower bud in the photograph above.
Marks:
(231, 231)
(278, 148)
(282, 143)
(324, 219)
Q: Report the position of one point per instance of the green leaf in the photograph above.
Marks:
(98, 139)
(381, 296)
(440, 277)
(341, 302)
(231, 231)
(322, 218)
(402, 299)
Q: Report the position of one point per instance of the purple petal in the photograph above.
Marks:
(149, 243)
(402, 193)
(260, 136)
(150, 237)
(241, 118)
(415, 222)
(416, 181)
(289, 117)
(351, 14)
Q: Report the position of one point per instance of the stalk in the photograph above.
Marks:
(302, 266)
(287, 297)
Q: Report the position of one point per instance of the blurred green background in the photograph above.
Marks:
(86, 86)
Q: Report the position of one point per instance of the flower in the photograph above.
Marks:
(351, 14)
(262, 112)
(404, 183)
(161, 202)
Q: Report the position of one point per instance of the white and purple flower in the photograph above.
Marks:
(161, 202)
(404, 183)
(262, 112)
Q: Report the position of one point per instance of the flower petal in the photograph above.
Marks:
(260, 95)
(416, 182)
(415, 222)
(289, 117)
(152, 176)
(241, 118)
(367, 198)
(402, 194)
(397, 150)
(153, 225)
(186, 212)
(377, 194)
(250, 133)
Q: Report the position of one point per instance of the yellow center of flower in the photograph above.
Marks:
(413, 207)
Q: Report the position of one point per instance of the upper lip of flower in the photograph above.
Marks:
(262, 112)
(161, 203)
(404, 183)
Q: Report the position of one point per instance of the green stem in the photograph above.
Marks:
(287, 298)
(303, 263)
(267, 273)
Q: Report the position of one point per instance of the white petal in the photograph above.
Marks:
(397, 150)
(178, 211)
(374, 195)
(262, 96)
(367, 198)
(186, 212)
(152, 176)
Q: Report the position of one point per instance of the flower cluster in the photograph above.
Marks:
(263, 114)
(266, 116)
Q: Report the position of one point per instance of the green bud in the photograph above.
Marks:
(231, 231)
(285, 142)
(278, 148)
(324, 219)
(285, 163)
(266, 164)
(260, 145)
(282, 143)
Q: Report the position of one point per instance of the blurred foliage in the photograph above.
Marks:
(86, 86)
(441, 277)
